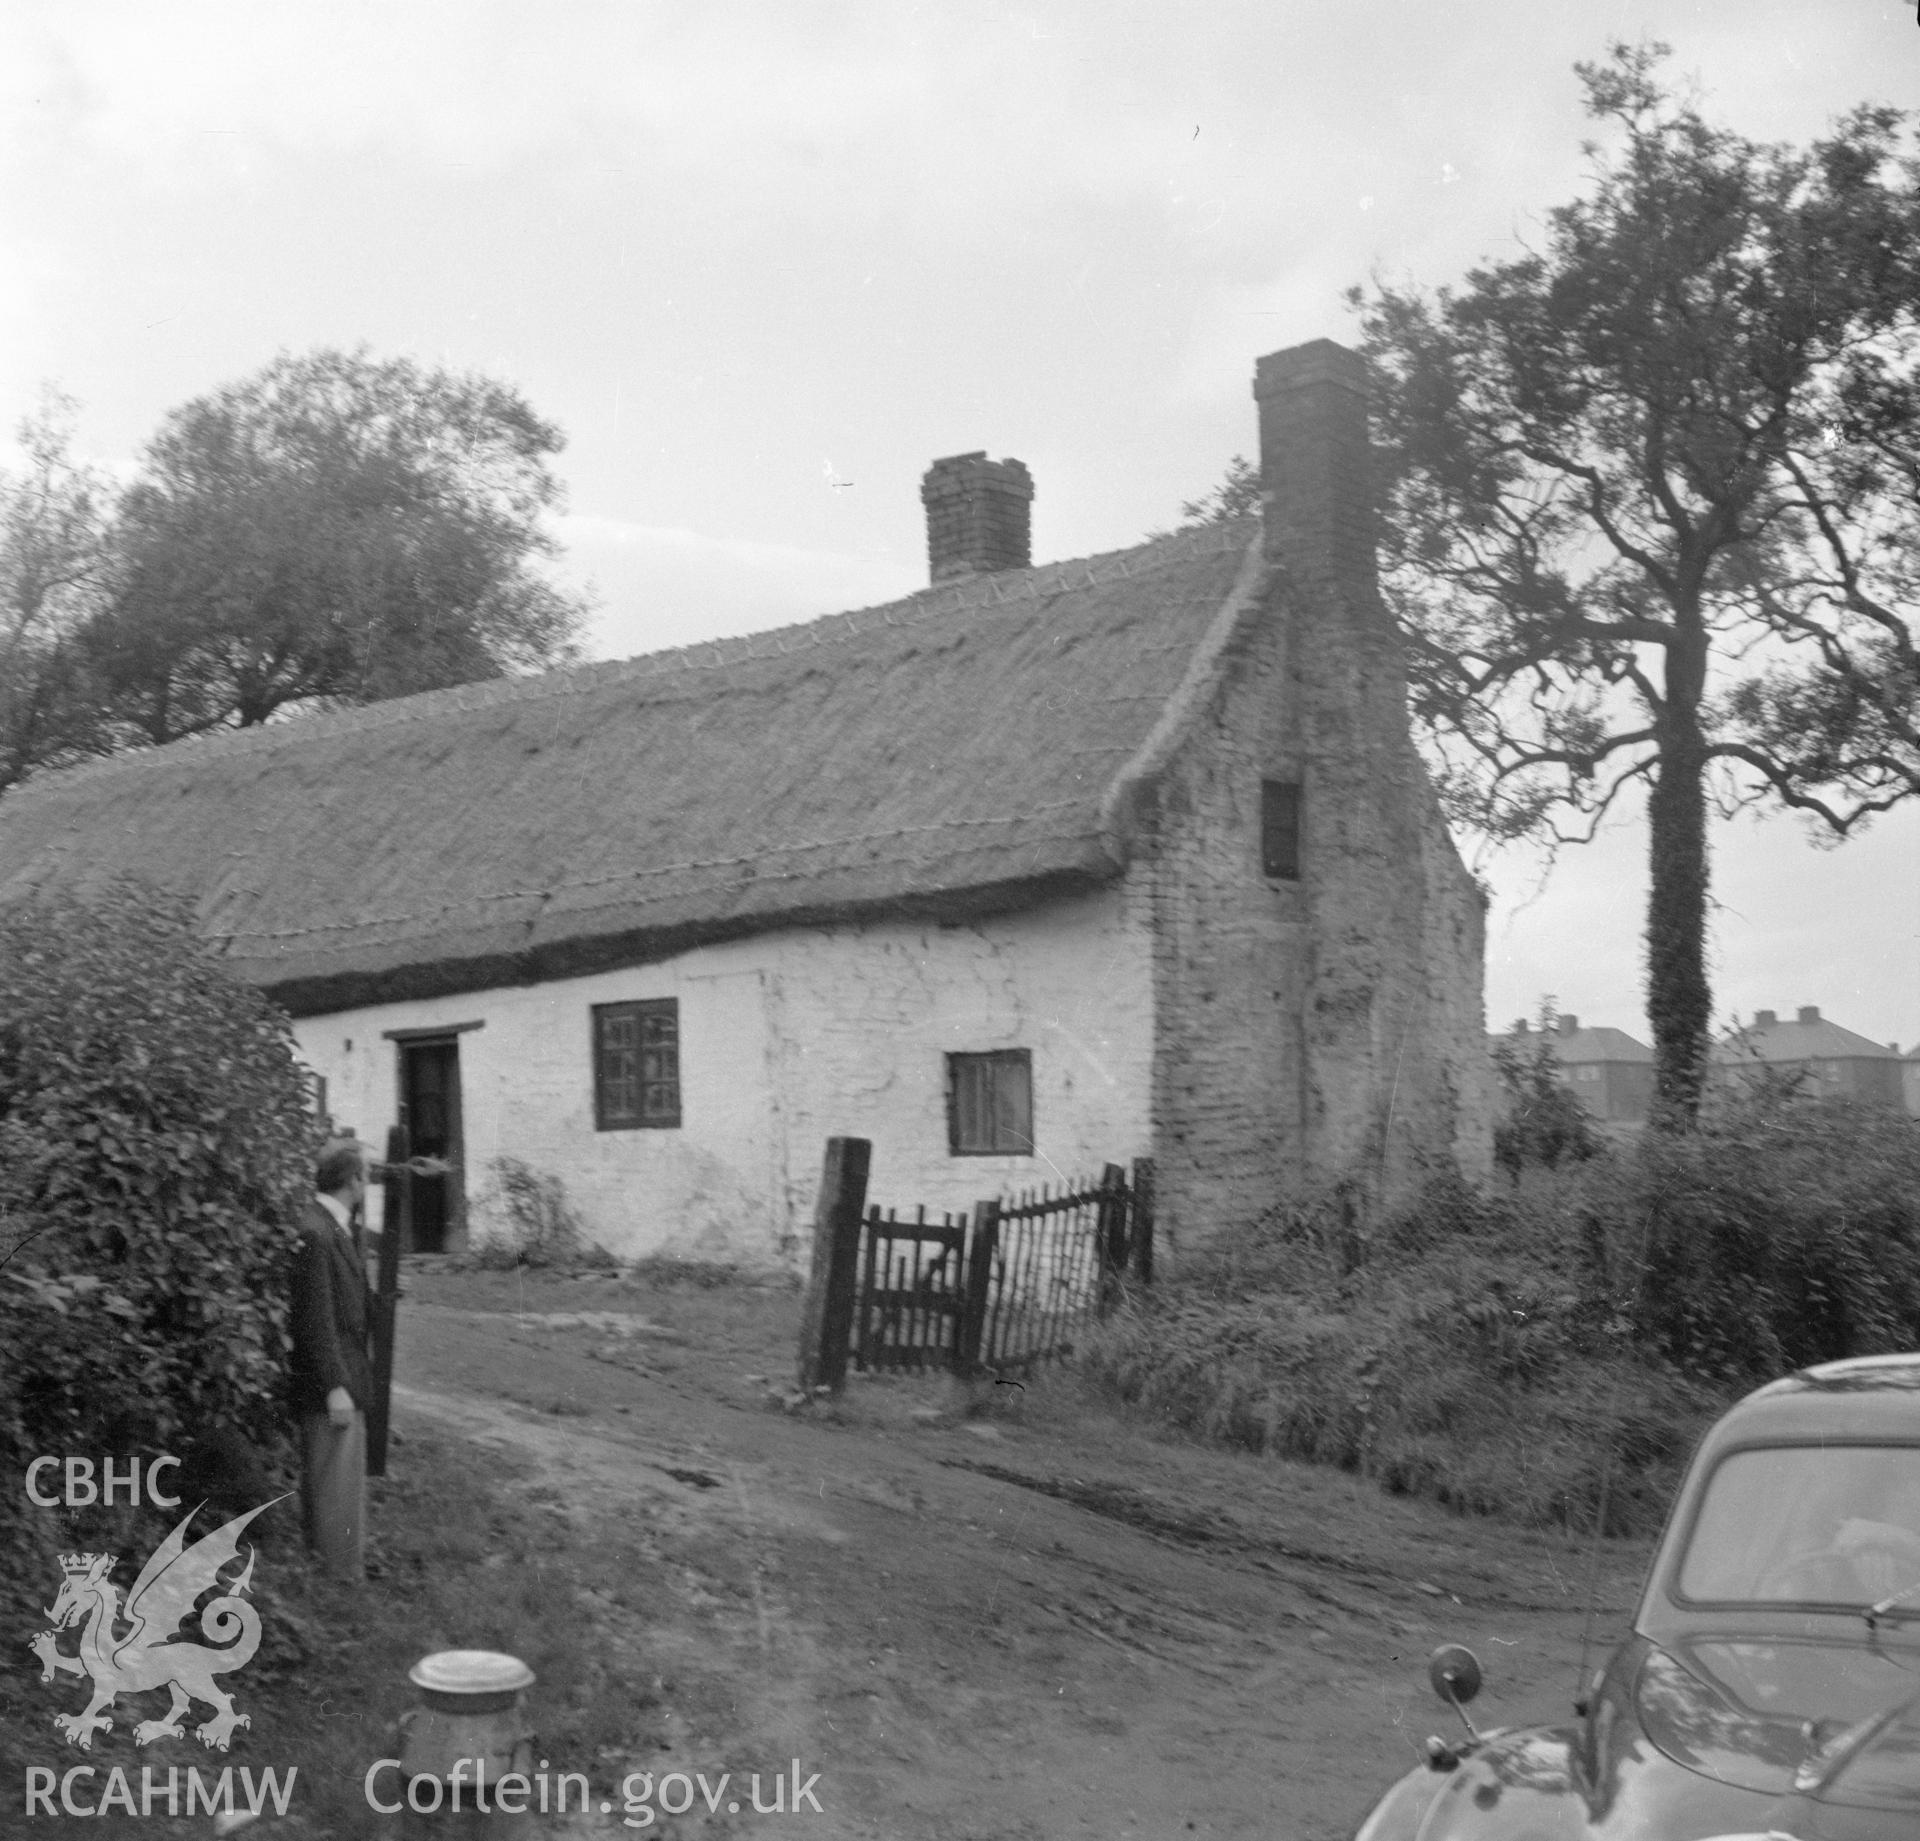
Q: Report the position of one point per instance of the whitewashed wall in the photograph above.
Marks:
(786, 1039)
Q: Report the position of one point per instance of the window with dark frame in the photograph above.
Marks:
(1280, 829)
(990, 1104)
(636, 1065)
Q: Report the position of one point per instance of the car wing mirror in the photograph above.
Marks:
(1453, 1670)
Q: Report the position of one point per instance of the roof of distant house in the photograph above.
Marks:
(979, 741)
(1806, 1037)
(1576, 1045)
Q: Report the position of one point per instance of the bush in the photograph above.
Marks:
(543, 1226)
(155, 1147)
(1787, 1232)
(1504, 1352)
(1542, 1122)
(1441, 1356)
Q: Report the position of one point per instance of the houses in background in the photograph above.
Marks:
(1611, 1072)
(1037, 869)
(1829, 1061)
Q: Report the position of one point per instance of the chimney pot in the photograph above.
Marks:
(979, 516)
(1764, 1019)
(1809, 1013)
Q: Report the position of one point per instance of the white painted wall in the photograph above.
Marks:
(786, 1039)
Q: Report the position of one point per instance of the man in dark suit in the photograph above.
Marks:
(332, 1375)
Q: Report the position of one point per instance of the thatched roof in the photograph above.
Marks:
(969, 747)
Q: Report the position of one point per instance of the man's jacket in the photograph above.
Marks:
(330, 1312)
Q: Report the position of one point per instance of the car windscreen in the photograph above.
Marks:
(1806, 1524)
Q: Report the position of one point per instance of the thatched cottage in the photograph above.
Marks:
(1037, 869)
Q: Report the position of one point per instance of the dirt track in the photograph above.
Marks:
(1040, 1622)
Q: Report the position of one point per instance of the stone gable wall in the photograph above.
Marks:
(1330, 1030)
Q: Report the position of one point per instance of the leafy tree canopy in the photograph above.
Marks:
(334, 527)
(1652, 499)
(53, 574)
(1236, 496)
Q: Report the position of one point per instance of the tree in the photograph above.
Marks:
(335, 528)
(53, 575)
(1543, 1122)
(1236, 496)
(1652, 502)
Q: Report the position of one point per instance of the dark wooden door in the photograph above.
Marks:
(430, 1110)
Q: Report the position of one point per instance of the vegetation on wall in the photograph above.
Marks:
(538, 1224)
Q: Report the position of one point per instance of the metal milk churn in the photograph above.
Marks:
(468, 1731)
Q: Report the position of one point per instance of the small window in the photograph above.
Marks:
(990, 1104)
(636, 1064)
(1280, 829)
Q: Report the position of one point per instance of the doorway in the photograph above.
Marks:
(430, 1110)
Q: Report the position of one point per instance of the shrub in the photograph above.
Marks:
(155, 1146)
(1541, 1121)
(1787, 1232)
(1457, 1357)
(1503, 1352)
(543, 1226)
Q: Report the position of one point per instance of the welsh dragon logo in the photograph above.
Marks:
(151, 1650)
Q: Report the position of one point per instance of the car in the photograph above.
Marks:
(1770, 1683)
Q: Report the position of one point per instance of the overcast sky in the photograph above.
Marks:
(764, 262)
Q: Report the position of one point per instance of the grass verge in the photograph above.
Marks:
(468, 1555)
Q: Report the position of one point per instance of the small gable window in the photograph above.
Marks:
(636, 1064)
(990, 1104)
(1280, 830)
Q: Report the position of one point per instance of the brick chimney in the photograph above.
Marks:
(979, 516)
(1809, 1013)
(1314, 463)
(1569, 1025)
(1764, 1019)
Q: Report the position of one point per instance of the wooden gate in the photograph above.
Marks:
(908, 1310)
(1011, 1288)
(1047, 1249)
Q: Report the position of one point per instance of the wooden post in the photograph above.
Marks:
(1142, 1236)
(982, 1243)
(1110, 1236)
(396, 1219)
(826, 1318)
